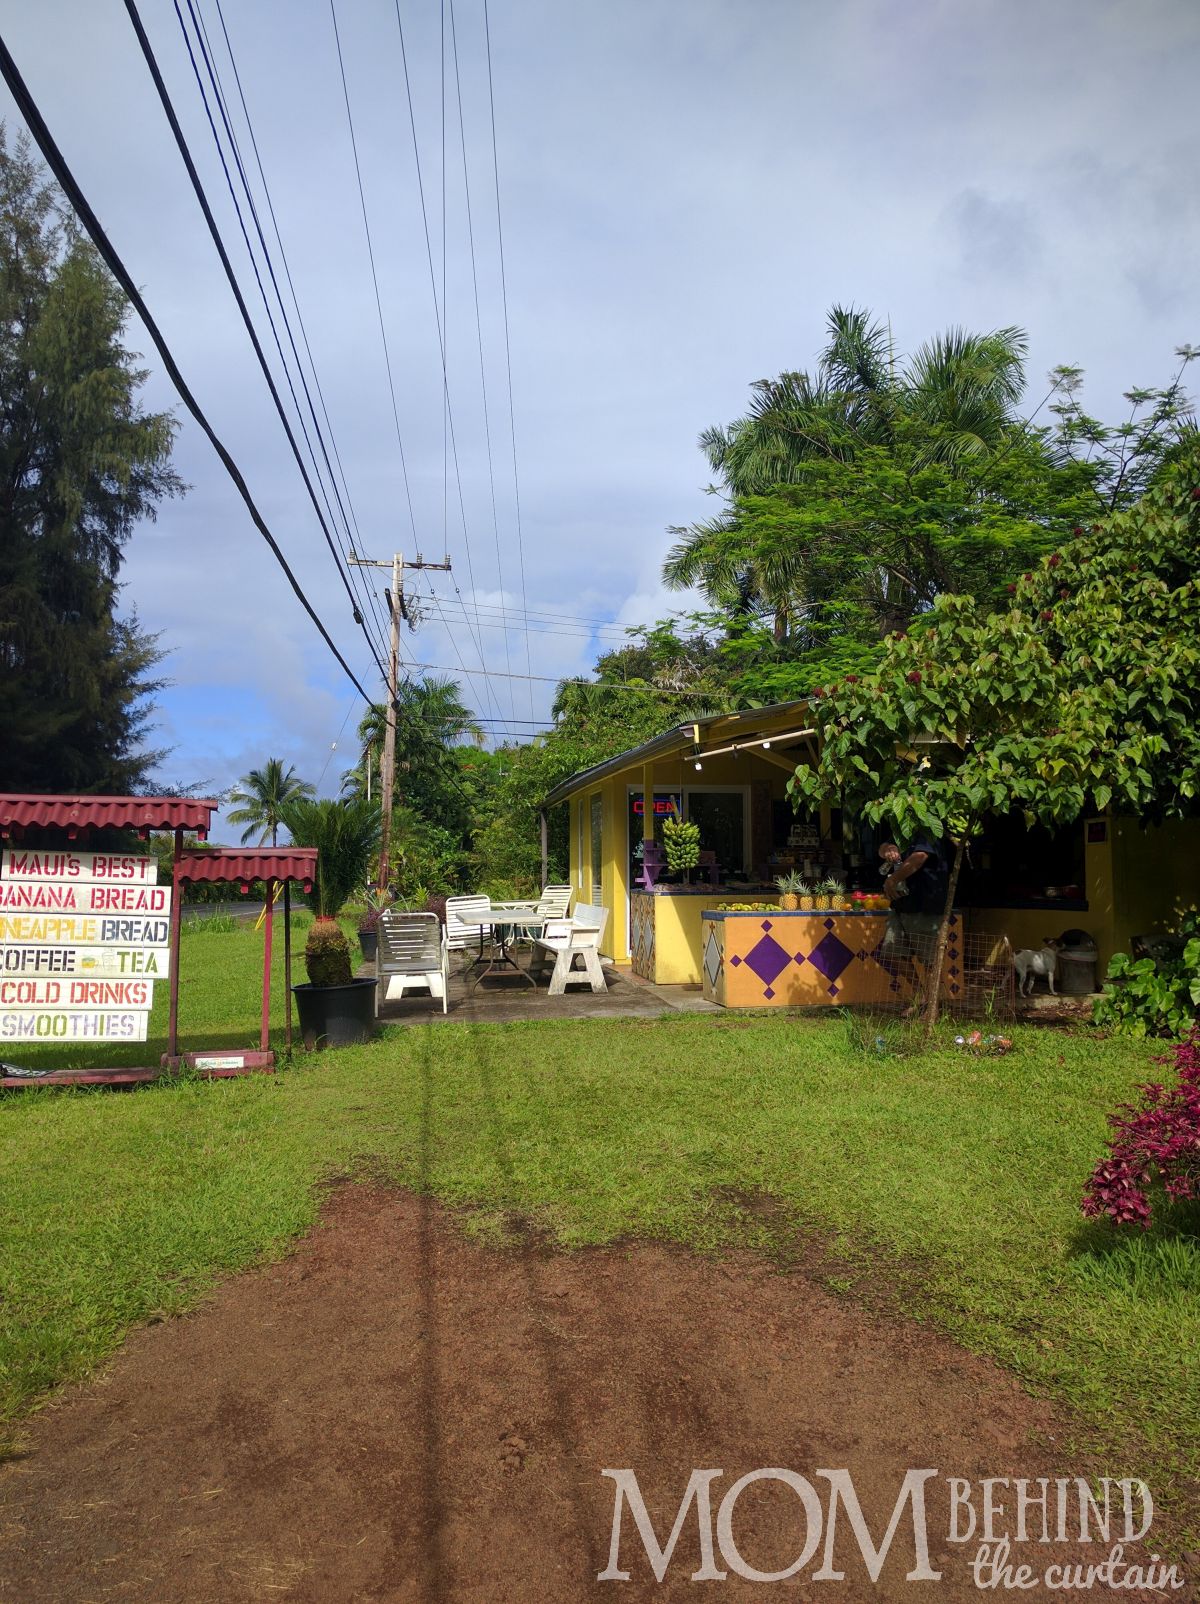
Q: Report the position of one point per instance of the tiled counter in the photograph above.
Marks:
(789, 960)
(665, 933)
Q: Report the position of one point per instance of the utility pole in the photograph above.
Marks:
(387, 768)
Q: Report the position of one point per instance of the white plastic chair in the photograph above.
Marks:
(554, 902)
(412, 952)
(468, 925)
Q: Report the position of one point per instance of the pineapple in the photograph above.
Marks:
(828, 892)
(789, 885)
(835, 886)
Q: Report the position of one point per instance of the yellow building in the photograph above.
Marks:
(728, 773)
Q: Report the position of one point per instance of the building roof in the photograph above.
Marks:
(228, 864)
(714, 727)
(74, 813)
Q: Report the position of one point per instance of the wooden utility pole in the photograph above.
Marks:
(387, 768)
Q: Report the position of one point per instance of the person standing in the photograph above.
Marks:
(915, 883)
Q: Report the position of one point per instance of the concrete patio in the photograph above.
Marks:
(508, 998)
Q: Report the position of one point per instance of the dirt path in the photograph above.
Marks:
(396, 1414)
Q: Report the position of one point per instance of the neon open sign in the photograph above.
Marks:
(662, 805)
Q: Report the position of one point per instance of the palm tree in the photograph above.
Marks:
(430, 716)
(959, 388)
(261, 798)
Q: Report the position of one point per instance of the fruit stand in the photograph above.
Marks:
(771, 958)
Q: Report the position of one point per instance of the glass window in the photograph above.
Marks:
(721, 816)
(666, 806)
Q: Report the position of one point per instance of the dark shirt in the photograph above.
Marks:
(927, 887)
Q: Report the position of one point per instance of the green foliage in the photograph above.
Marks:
(426, 856)
(681, 843)
(858, 494)
(1084, 692)
(1158, 995)
(261, 797)
(81, 463)
(327, 954)
(346, 836)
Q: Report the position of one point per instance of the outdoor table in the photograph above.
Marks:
(506, 917)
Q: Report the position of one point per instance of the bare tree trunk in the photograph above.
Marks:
(943, 936)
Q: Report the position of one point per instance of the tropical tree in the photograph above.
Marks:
(431, 718)
(1083, 693)
(261, 798)
(81, 463)
(857, 494)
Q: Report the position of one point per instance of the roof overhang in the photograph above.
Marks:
(244, 864)
(75, 813)
(715, 731)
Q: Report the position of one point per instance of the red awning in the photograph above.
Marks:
(74, 813)
(248, 863)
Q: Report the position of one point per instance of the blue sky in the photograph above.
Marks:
(687, 187)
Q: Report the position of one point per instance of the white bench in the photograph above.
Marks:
(568, 939)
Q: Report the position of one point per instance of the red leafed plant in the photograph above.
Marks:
(1156, 1138)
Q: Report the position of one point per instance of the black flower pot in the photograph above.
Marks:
(368, 940)
(335, 1016)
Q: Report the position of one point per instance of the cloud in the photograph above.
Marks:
(998, 238)
(685, 191)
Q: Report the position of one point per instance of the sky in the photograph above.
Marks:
(686, 187)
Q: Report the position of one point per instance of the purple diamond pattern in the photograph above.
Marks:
(830, 956)
(768, 961)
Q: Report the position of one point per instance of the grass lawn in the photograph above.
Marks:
(954, 1181)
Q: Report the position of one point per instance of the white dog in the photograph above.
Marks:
(1030, 964)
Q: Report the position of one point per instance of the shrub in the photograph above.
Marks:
(1156, 1143)
(327, 954)
(1155, 996)
(346, 836)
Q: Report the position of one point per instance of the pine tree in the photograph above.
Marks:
(80, 463)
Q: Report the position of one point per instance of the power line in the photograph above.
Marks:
(365, 585)
(563, 618)
(453, 638)
(362, 199)
(448, 414)
(512, 421)
(55, 160)
(198, 188)
(554, 679)
(487, 428)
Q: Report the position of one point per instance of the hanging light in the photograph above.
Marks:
(699, 765)
(766, 746)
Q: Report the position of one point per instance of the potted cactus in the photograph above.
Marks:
(368, 923)
(334, 1008)
(789, 886)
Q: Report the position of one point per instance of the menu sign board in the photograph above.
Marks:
(42, 867)
(83, 937)
(19, 895)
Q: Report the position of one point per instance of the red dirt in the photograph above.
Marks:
(395, 1413)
